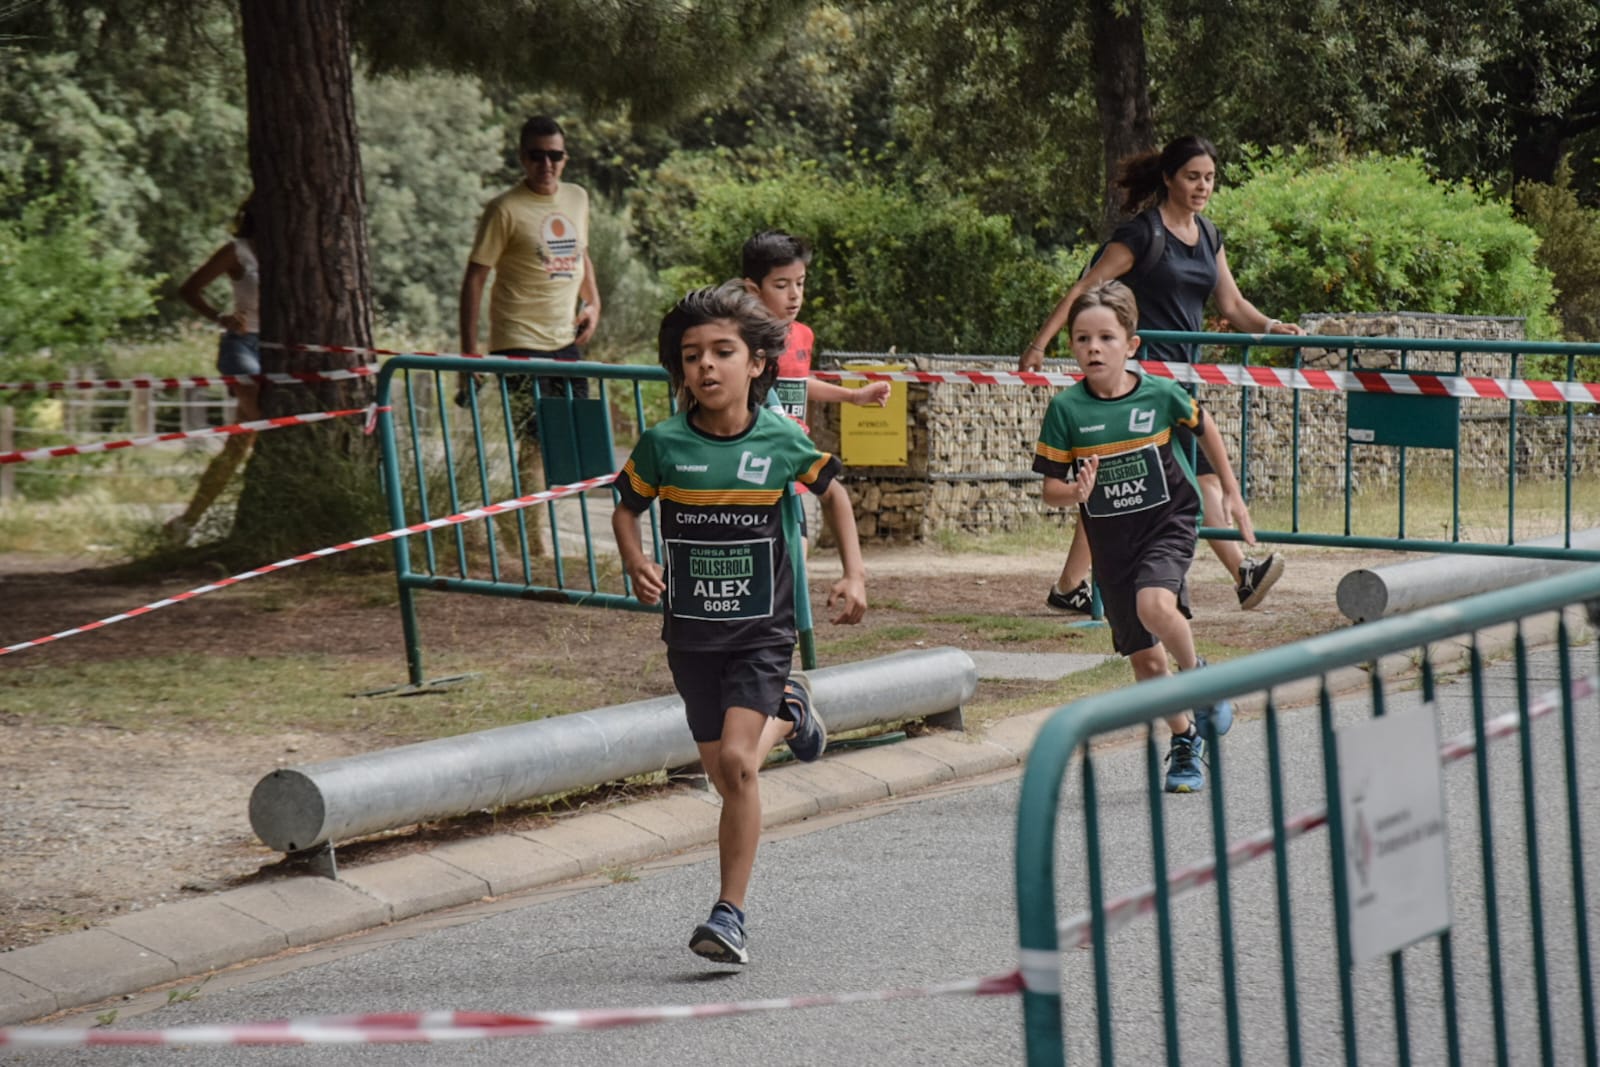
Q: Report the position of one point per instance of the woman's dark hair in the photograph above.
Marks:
(763, 334)
(771, 249)
(244, 220)
(1143, 177)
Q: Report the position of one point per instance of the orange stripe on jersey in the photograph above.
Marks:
(1115, 449)
(809, 475)
(639, 485)
(1194, 414)
(710, 497)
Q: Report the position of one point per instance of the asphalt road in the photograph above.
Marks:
(919, 891)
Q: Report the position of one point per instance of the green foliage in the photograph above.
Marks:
(632, 298)
(427, 143)
(891, 267)
(660, 57)
(1569, 247)
(1377, 233)
(62, 285)
(156, 148)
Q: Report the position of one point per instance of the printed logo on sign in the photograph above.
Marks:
(754, 469)
(1141, 420)
(560, 253)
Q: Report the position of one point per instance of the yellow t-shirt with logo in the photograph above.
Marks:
(535, 245)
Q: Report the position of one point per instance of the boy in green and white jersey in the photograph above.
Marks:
(720, 468)
(1106, 447)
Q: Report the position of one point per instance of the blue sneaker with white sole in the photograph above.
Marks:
(1185, 771)
(721, 937)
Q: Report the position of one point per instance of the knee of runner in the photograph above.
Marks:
(738, 768)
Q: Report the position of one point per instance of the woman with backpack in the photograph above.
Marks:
(1172, 258)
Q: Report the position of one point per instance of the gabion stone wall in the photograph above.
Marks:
(971, 446)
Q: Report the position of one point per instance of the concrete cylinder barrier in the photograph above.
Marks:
(1366, 595)
(300, 808)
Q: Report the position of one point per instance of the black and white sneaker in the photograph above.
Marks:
(1080, 601)
(1257, 578)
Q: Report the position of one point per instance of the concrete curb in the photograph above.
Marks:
(185, 940)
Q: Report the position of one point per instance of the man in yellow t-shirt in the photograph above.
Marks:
(534, 237)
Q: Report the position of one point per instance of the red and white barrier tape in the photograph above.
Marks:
(1356, 381)
(255, 426)
(1076, 932)
(439, 1026)
(1359, 381)
(146, 382)
(321, 553)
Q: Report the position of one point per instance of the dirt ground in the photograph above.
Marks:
(97, 819)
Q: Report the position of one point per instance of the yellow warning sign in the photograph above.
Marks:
(872, 436)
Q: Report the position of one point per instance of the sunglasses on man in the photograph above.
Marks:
(547, 155)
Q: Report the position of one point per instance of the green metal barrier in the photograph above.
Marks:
(444, 456)
(1408, 422)
(1438, 1023)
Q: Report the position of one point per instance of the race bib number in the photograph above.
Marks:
(1126, 483)
(720, 580)
(792, 396)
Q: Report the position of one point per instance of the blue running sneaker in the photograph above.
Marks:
(721, 937)
(810, 736)
(1185, 772)
(1220, 714)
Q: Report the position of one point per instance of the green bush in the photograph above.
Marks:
(891, 267)
(1569, 247)
(62, 287)
(1378, 233)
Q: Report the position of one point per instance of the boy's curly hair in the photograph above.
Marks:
(763, 334)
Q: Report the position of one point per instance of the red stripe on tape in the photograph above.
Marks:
(258, 425)
(432, 524)
(409, 1027)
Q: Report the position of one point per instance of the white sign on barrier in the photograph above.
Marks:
(1397, 869)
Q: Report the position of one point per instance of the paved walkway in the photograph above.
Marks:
(899, 875)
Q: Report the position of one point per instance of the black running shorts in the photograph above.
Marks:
(1164, 565)
(712, 682)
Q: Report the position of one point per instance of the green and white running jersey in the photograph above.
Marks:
(1144, 486)
(724, 526)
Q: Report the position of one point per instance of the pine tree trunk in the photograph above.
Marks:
(1121, 92)
(307, 486)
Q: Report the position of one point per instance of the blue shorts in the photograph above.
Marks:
(239, 353)
(712, 682)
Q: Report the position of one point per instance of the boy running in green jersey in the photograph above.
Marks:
(720, 468)
(1106, 448)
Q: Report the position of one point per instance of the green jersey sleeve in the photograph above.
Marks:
(640, 478)
(1052, 456)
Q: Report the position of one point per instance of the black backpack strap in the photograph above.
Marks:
(1154, 249)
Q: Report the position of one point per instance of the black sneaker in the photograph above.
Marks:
(810, 736)
(1258, 579)
(721, 937)
(1079, 601)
